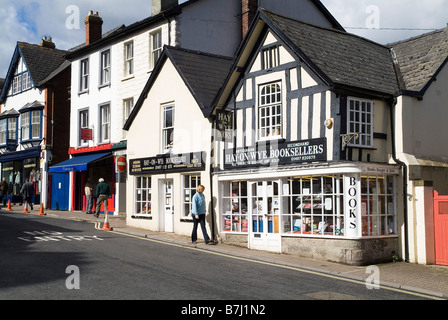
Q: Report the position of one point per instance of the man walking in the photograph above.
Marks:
(27, 192)
(198, 211)
(103, 192)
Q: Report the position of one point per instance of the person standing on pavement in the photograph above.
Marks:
(27, 192)
(88, 190)
(198, 212)
(3, 190)
(102, 192)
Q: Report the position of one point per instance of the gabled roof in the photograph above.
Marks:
(203, 74)
(343, 58)
(40, 61)
(420, 59)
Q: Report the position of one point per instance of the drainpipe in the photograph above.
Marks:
(405, 180)
(212, 202)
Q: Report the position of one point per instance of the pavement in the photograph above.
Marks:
(422, 280)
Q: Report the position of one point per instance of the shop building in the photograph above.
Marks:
(169, 141)
(109, 73)
(35, 106)
(419, 117)
(308, 168)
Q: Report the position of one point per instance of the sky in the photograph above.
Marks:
(63, 20)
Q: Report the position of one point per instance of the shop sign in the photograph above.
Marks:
(86, 134)
(352, 205)
(224, 124)
(11, 144)
(168, 163)
(271, 153)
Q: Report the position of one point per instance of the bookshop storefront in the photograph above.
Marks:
(344, 212)
(161, 190)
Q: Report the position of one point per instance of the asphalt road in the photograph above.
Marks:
(51, 259)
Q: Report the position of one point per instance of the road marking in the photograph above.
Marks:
(421, 295)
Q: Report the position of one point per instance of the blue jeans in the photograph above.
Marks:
(194, 233)
(88, 204)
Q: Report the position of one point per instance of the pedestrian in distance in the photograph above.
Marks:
(88, 190)
(198, 212)
(3, 191)
(102, 192)
(27, 192)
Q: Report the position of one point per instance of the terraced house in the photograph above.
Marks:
(34, 106)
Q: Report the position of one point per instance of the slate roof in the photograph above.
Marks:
(342, 58)
(41, 61)
(203, 74)
(420, 58)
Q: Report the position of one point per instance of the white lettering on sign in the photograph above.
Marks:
(44, 236)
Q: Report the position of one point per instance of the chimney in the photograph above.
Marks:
(93, 27)
(248, 11)
(162, 5)
(47, 43)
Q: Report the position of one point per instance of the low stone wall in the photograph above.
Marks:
(352, 252)
(358, 252)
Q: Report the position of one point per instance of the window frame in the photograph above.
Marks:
(104, 126)
(129, 59)
(140, 190)
(264, 112)
(155, 51)
(82, 142)
(27, 125)
(165, 130)
(362, 119)
(188, 191)
(270, 57)
(84, 69)
(105, 68)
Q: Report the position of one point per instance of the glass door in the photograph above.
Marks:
(265, 216)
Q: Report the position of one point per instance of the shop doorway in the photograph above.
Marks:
(166, 208)
(60, 187)
(264, 201)
(441, 228)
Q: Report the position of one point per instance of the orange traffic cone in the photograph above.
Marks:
(25, 209)
(106, 226)
(41, 212)
(9, 206)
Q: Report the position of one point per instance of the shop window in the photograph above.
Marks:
(360, 121)
(191, 182)
(312, 205)
(270, 111)
(143, 196)
(378, 205)
(235, 207)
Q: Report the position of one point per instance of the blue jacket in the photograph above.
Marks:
(198, 204)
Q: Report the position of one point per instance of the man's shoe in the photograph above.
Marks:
(210, 242)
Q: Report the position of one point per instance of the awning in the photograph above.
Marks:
(77, 163)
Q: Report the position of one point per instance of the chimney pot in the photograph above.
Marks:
(94, 30)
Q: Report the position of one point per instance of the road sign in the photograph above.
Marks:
(121, 164)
